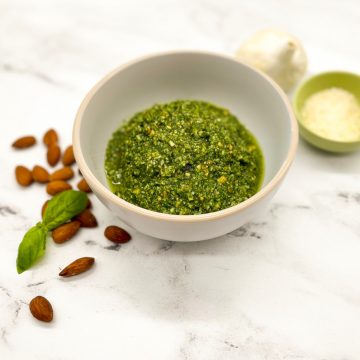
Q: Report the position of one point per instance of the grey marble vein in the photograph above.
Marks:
(7, 210)
(9, 68)
(114, 247)
(36, 284)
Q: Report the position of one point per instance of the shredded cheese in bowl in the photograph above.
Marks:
(333, 114)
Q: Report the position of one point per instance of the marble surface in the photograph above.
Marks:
(284, 287)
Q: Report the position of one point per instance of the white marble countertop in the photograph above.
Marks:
(284, 287)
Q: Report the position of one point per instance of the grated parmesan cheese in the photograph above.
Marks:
(334, 114)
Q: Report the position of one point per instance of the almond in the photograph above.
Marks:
(68, 157)
(24, 142)
(53, 154)
(23, 175)
(57, 186)
(87, 219)
(84, 186)
(89, 204)
(40, 174)
(44, 208)
(117, 235)
(65, 232)
(50, 137)
(41, 309)
(78, 266)
(65, 173)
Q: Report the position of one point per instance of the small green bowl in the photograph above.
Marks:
(345, 80)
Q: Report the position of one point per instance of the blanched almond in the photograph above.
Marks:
(40, 174)
(23, 175)
(65, 173)
(24, 142)
(50, 137)
(68, 156)
(78, 266)
(41, 309)
(65, 232)
(55, 187)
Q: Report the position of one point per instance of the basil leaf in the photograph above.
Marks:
(31, 248)
(63, 207)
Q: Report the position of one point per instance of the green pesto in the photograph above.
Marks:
(184, 157)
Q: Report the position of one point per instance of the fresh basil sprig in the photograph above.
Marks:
(31, 248)
(63, 207)
(60, 209)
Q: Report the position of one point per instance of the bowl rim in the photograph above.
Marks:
(297, 109)
(98, 187)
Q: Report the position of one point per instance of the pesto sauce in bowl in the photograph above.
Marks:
(185, 157)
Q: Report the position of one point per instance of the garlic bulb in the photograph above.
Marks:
(278, 54)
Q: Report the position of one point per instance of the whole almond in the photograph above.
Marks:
(50, 137)
(41, 309)
(117, 235)
(44, 208)
(87, 219)
(78, 266)
(23, 175)
(65, 232)
(65, 173)
(40, 174)
(84, 186)
(53, 154)
(24, 142)
(89, 204)
(68, 156)
(55, 187)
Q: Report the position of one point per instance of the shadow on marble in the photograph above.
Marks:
(346, 163)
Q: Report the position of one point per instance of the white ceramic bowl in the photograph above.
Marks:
(250, 95)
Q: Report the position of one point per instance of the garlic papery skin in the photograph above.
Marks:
(276, 53)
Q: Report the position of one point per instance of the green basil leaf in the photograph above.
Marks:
(64, 206)
(31, 248)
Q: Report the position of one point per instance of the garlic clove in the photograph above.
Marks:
(278, 54)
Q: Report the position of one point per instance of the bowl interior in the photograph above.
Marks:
(162, 78)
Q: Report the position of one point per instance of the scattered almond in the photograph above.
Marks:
(87, 219)
(68, 156)
(53, 154)
(40, 174)
(55, 187)
(24, 142)
(44, 208)
(65, 232)
(84, 186)
(23, 175)
(89, 204)
(65, 173)
(41, 309)
(117, 235)
(50, 137)
(78, 266)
